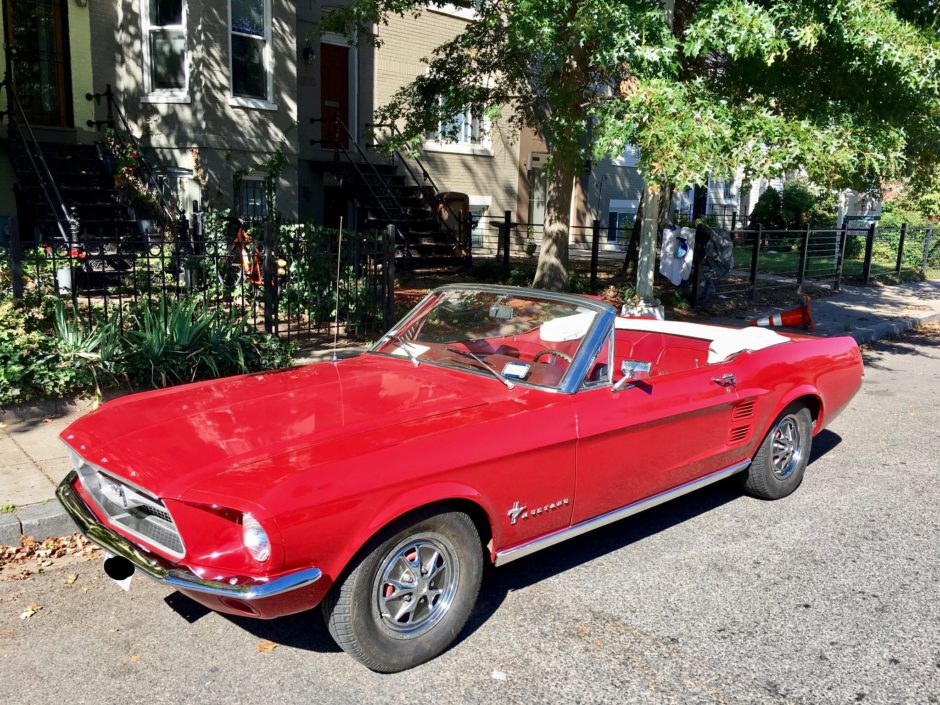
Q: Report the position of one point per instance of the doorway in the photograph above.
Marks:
(36, 32)
(334, 93)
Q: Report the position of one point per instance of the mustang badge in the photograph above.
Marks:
(516, 511)
(521, 511)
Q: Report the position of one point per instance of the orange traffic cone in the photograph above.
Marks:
(799, 317)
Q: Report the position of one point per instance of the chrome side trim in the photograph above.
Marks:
(162, 570)
(537, 544)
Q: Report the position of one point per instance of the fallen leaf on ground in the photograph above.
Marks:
(135, 658)
(71, 579)
(30, 611)
(46, 551)
(266, 645)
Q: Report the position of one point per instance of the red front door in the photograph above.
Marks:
(334, 94)
(643, 440)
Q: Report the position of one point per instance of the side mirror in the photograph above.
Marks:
(634, 372)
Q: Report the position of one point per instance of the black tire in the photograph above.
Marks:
(773, 476)
(362, 607)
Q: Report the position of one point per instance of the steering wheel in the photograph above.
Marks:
(553, 353)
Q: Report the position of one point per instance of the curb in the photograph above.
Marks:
(891, 329)
(41, 521)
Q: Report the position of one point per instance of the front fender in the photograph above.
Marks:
(417, 498)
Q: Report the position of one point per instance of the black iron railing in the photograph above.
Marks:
(460, 239)
(277, 276)
(21, 132)
(378, 187)
(116, 121)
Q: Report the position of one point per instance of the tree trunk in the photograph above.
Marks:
(646, 259)
(649, 234)
(552, 270)
(567, 162)
(628, 271)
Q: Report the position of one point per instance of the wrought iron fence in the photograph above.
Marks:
(280, 277)
(763, 259)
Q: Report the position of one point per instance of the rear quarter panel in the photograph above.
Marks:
(827, 370)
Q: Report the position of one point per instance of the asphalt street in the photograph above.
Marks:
(828, 596)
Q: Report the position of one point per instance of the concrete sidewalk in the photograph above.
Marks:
(33, 460)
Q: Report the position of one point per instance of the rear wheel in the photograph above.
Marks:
(405, 601)
(780, 462)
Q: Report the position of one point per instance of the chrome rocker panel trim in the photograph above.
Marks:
(162, 570)
(511, 554)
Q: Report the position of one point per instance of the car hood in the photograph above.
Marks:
(167, 440)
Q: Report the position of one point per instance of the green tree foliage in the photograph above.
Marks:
(767, 209)
(798, 205)
(847, 90)
(925, 193)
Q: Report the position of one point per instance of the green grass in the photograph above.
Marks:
(787, 263)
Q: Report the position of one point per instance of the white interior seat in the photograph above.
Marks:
(722, 341)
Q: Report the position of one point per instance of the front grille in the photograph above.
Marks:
(134, 510)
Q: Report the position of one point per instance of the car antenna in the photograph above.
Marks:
(339, 255)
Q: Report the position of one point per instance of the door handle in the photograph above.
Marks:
(726, 381)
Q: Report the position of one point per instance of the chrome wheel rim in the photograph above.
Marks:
(415, 585)
(786, 448)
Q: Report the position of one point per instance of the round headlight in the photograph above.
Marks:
(255, 539)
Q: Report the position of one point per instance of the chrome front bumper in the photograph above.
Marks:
(164, 571)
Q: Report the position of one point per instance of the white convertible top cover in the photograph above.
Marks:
(722, 342)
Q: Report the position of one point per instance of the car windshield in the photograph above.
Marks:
(514, 337)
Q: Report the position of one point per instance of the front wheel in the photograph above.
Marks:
(777, 469)
(405, 601)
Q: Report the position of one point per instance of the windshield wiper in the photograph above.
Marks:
(404, 345)
(497, 375)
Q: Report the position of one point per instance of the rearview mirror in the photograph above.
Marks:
(503, 313)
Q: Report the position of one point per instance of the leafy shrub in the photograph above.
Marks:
(854, 246)
(178, 341)
(521, 276)
(675, 300)
(767, 209)
(32, 363)
(46, 352)
(798, 205)
(578, 284)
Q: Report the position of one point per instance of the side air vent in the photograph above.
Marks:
(739, 434)
(744, 410)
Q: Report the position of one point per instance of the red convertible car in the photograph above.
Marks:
(490, 423)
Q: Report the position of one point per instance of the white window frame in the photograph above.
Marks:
(729, 191)
(239, 101)
(483, 149)
(482, 204)
(256, 176)
(173, 95)
(619, 205)
(464, 13)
